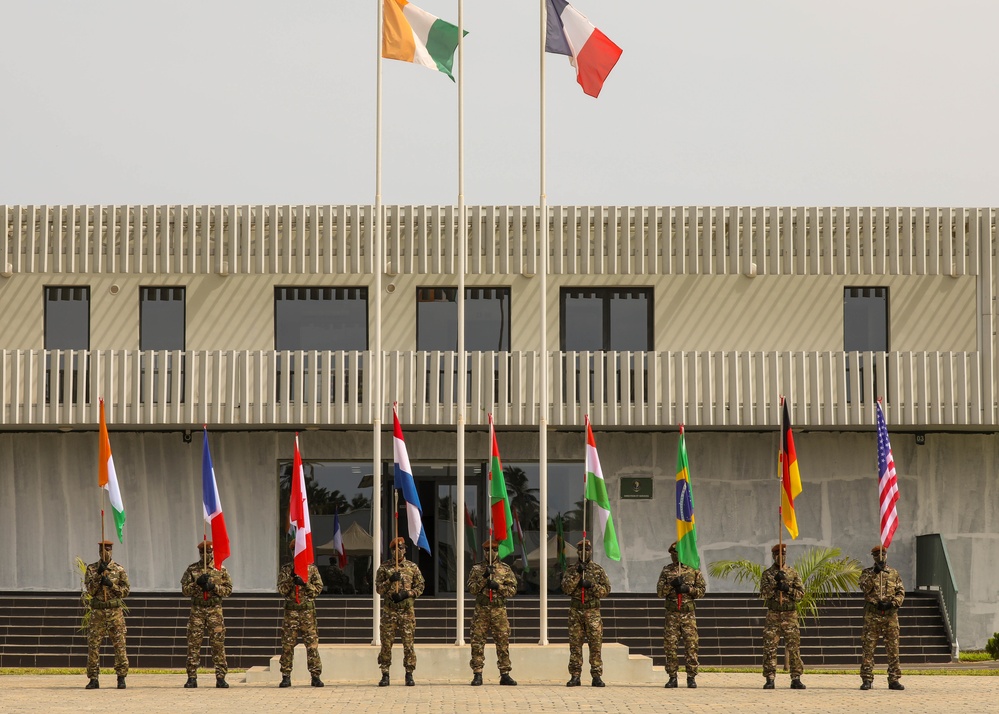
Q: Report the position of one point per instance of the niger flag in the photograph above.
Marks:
(790, 478)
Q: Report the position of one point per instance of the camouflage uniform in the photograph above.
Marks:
(490, 616)
(680, 617)
(398, 616)
(782, 618)
(300, 618)
(206, 615)
(883, 595)
(106, 616)
(584, 613)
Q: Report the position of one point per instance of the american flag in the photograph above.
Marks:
(887, 482)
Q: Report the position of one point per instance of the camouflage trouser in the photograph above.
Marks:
(490, 620)
(878, 625)
(300, 622)
(680, 624)
(585, 624)
(206, 619)
(403, 621)
(111, 623)
(777, 624)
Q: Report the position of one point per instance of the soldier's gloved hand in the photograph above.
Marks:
(210, 587)
(492, 584)
(401, 595)
(676, 583)
(783, 586)
(202, 581)
(580, 567)
(101, 567)
(586, 583)
(395, 577)
(685, 588)
(779, 576)
(879, 567)
(106, 581)
(297, 579)
(491, 568)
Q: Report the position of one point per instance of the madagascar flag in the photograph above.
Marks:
(790, 478)
(502, 519)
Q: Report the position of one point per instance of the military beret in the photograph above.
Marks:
(205, 544)
(584, 544)
(490, 544)
(399, 542)
(779, 548)
(878, 550)
(107, 543)
(672, 548)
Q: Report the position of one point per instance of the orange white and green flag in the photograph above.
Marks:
(410, 34)
(108, 479)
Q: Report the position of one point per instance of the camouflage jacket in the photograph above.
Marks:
(307, 593)
(478, 578)
(886, 586)
(106, 595)
(600, 585)
(220, 579)
(690, 576)
(775, 599)
(411, 582)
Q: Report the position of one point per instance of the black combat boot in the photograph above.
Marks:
(769, 684)
(797, 683)
(121, 681)
(672, 683)
(409, 680)
(573, 681)
(896, 685)
(507, 681)
(220, 683)
(691, 684)
(93, 684)
(316, 681)
(476, 679)
(867, 684)
(597, 682)
(191, 683)
(384, 682)
(285, 681)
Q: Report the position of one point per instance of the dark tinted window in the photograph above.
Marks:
(487, 319)
(321, 318)
(67, 318)
(601, 319)
(865, 319)
(161, 318)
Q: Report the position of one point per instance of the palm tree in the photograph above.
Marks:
(523, 499)
(824, 572)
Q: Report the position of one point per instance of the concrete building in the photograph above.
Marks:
(260, 321)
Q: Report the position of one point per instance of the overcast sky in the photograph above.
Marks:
(746, 102)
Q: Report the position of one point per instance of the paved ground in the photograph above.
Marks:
(151, 693)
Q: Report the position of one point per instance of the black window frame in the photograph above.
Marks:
(607, 294)
(469, 291)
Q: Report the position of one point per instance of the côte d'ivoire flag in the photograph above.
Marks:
(686, 529)
(410, 34)
(790, 478)
(107, 478)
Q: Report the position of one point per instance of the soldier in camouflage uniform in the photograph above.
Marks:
(300, 619)
(781, 589)
(491, 582)
(399, 587)
(883, 595)
(680, 585)
(585, 583)
(206, 587)
(107, 584)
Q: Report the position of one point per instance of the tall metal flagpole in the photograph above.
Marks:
(543, 382)
(462, 359)
(378, 266)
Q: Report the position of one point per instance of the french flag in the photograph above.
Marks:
(341, 553)
(404, 482)
(213, 507)
(590, 51)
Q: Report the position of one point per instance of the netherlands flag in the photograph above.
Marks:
(213, 507)
(590, 51)
(405, 483)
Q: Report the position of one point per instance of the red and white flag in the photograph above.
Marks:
(341, 553)
(298, 517)
(887, 482)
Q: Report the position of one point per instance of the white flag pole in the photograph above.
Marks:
(543, 332)
(462, 359)
(375, 368)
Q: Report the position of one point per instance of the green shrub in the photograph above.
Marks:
(992, 646)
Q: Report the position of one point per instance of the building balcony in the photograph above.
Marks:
(272, 389)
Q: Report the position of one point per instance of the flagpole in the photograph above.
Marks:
(780, 495)
(582, 559)
(489, 497)
(376, 357)
(462, 358)
(543, 334)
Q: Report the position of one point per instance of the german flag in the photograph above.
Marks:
(790, 478)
